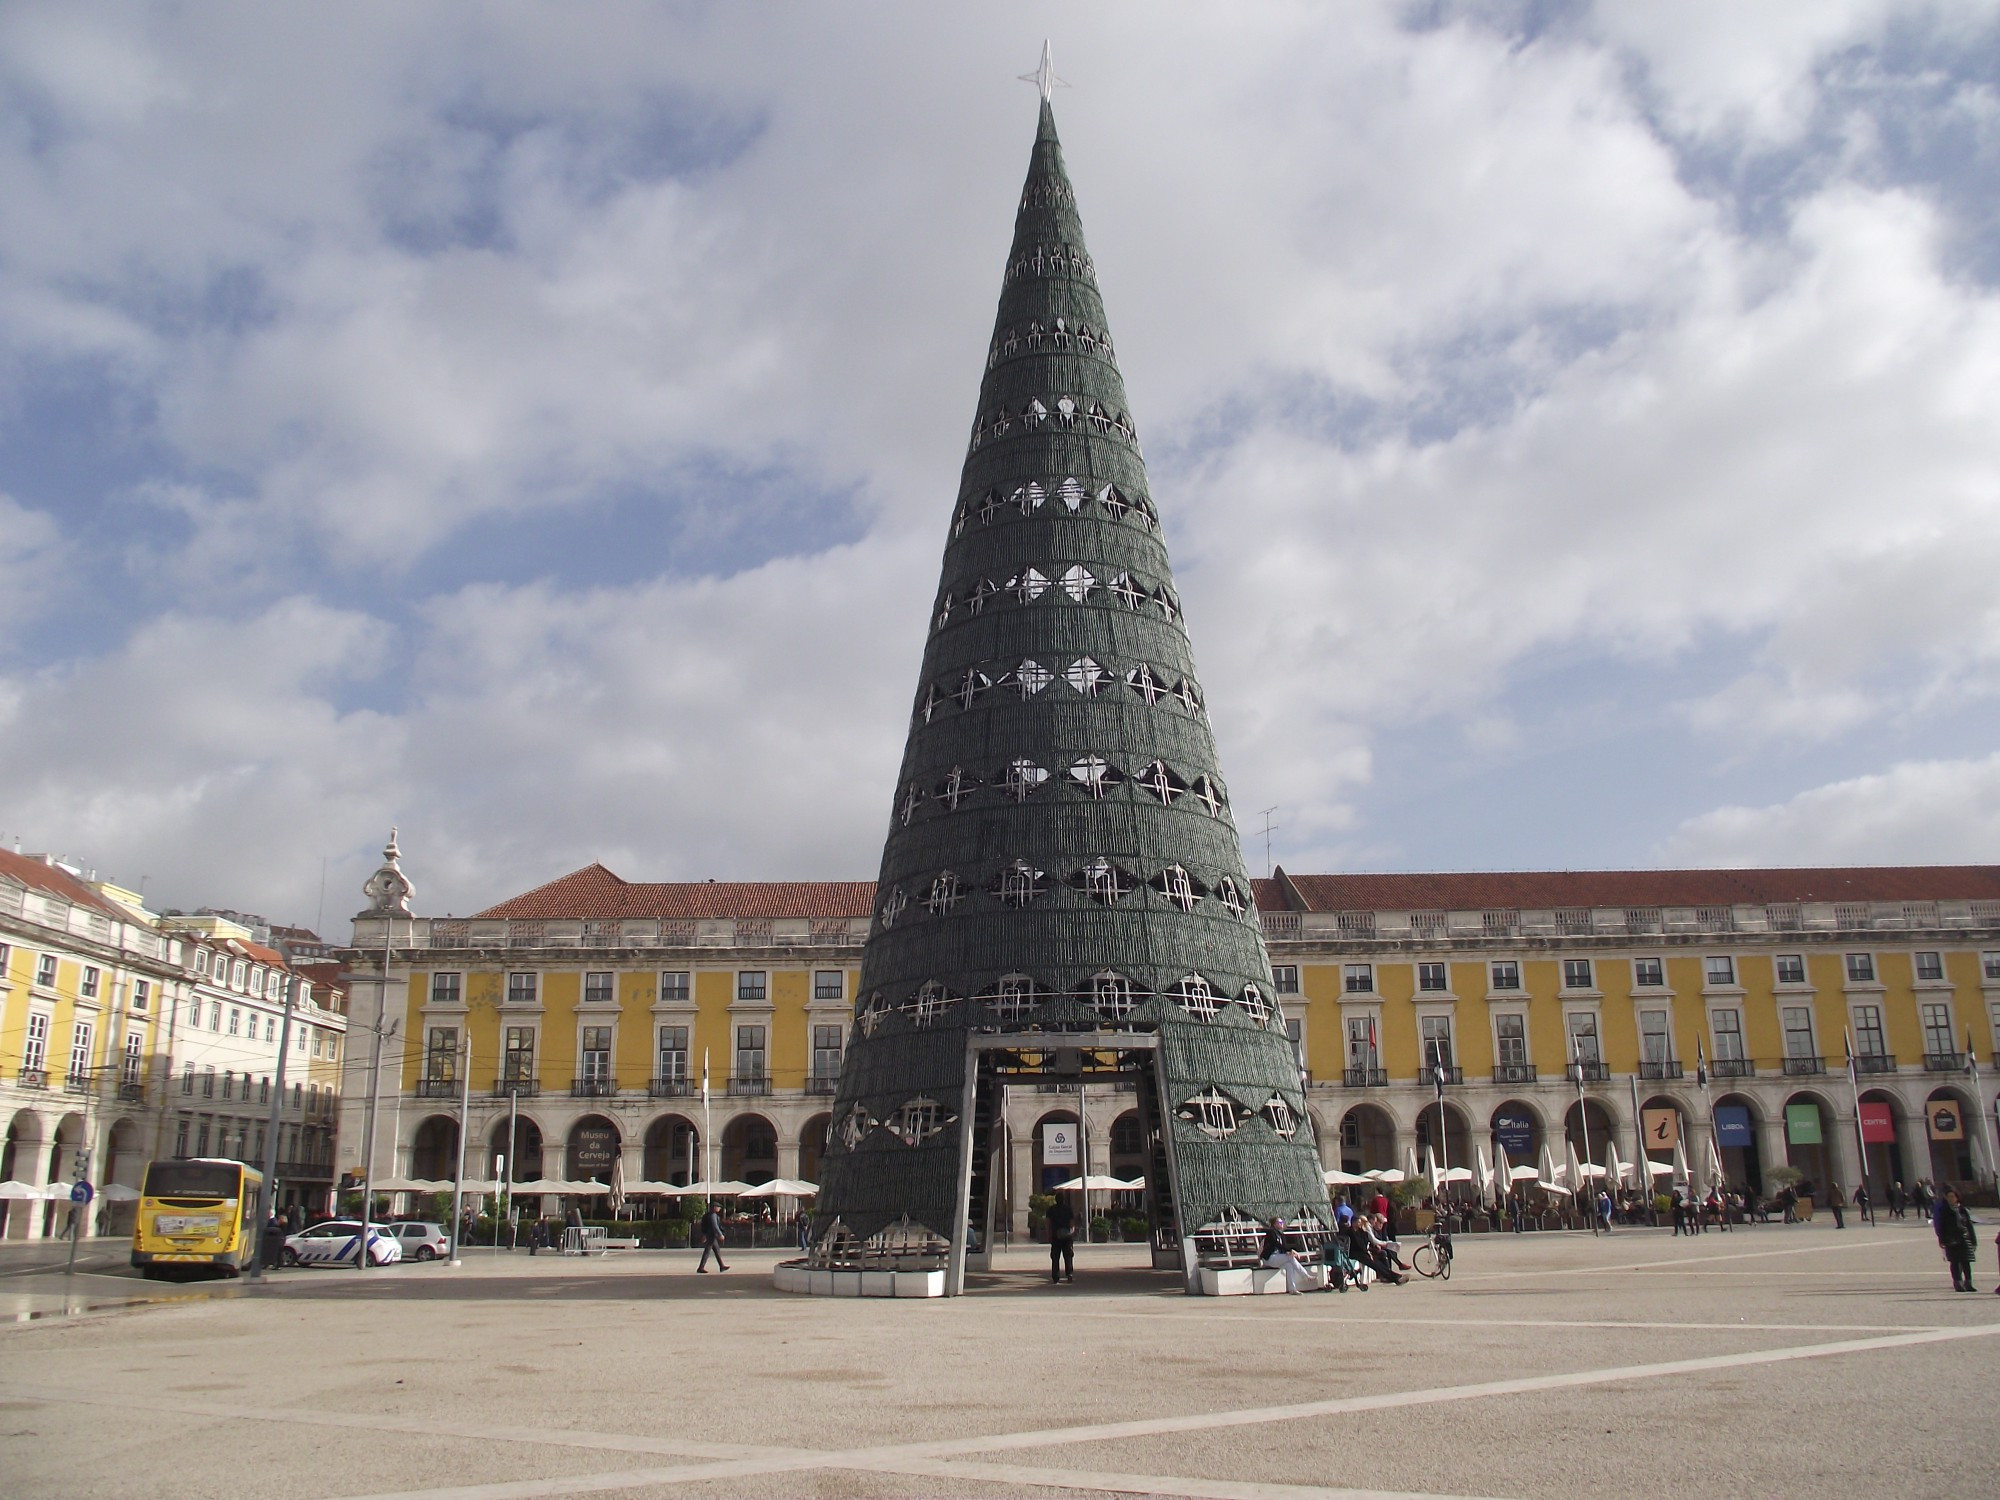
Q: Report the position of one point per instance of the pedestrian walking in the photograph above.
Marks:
(1062, 1240)
(711, 1239)
(1957, 1238)
(1604, 1208)
(802, 1223)
(1836, 1201)
(1864, 1206)
(1898, 1201)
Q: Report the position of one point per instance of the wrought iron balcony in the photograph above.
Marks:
(1430, 1072)
(592, 1088)
(1591, 1072)
(1732, 1067)
(131, 1092)
(437, 1088)
(527, 1088)
(1799, 1067)
(1365, 1078)
(670, 1088)
(749, 1086)
(1660, 1070)
(819, 1085)
(1874, 1062)
(1944, 1062)
(1507, 1072)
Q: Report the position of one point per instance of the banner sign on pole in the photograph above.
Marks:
(1663, 1128)
(1515, 1131)
(1877, 1125)
(1946, 1123)
(1059, 1145)
(1802, 1124)
(1732, 1126)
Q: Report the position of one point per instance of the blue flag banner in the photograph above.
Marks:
(1732, 1126)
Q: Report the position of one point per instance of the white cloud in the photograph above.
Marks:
(1449, 370)
(1918, 812)
(33, 558)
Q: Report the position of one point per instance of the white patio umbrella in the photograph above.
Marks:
(1659, 1168)
(408, 1185)
(729, 1187)
(1455, 1174)
(1556, 1187)
(1097, 1182)
(118, 1192)
(1614, 1167)
(543, 1185)
(484, 1187)
(1716, 1175)
(1679, 1166)
(1388, 1174)
(645, 1189)
(789, 1187)
(1337, 1178)
(1503, 1171)
(1524, 1173)
(1550, 1172)
(1431, 1168)
(1574, 1176)
(14, 1188)
(1410, 1168)
(1485, 1177)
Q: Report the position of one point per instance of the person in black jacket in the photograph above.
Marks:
(1957, 1237)
(711, 1239)
(1062, 1240)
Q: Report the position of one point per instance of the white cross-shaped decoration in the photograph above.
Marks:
(1044, 77)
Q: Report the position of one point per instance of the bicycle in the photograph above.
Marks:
(1433, 1257)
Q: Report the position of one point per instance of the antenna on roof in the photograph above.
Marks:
(1268, 826)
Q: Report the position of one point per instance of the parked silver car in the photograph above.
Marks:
(420, 1240)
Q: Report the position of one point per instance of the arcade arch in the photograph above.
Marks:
(434, 1149)
(523, 1158)
(673, 1151)
(1367, 1140)
(749, 1150)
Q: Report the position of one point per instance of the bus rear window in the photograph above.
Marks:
(192, 1179)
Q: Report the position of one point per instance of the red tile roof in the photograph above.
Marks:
(58, 882)
(595, 892)
(1543, 889)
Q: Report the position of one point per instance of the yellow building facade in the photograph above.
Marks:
(1635, 1015)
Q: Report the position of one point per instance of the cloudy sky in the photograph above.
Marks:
(1575, 425)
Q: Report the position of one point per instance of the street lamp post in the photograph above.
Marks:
(374, 1092)
(267, 1196)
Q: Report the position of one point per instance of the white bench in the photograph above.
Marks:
(1254, 1281)
(616, 1242)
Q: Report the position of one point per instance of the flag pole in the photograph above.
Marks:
(707, 1135)
(1992, 1133)
(1444, 1135)
(1854, 1096)
(1701, 1083)
(1583, 1120)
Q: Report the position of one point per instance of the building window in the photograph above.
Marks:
(208, 1082)
(135, 1049)
(298, 1095)
(1510, 1033)
(1437, 1042)
(242, 974)
(1938, 1040)
(257, 981)
(750, 1052)
(1868, 1031)
(1791, 968)
(1728, 1028)
(596, 1054)
(1359, 979)
(1577, 974)
(270, 1028)
(1930, 967)
(45, 971)
(187, 1079)
(441, 1054)
(673, 1055)
(35, 1050)
(517, 1063)
(1655, 1041)
(264, 1089)
(228, 1083)
(1860, 968)
(521, 988)
(752, 984)
(826, 1052)
(829, 984)
(1583, 1046)
(93, 979)
(1989, 966)
(1649, 973)
(1506, 974)
(1797, 1021)
(1721, 969)
(1361, 1049)
(1285, 978)
(181, 1136)
(201, 1137)
(447, 988)
(142, 990)
(597, 988)
(1431, 979)
(215, 1015)
(674, 986)
(235, 1021)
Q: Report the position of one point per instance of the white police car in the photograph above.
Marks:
(337, 1243)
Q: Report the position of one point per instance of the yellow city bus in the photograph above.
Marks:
(196, 1215)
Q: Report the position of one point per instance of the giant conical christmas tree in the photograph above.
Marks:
(1061, 857)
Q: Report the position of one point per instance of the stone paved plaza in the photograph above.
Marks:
(1771, 1361)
